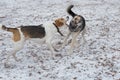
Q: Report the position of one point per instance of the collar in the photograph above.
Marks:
(58, 29)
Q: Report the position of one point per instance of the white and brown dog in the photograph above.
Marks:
(76, 26)
(43, 32)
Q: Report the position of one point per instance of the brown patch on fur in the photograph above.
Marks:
(15, 31)
(26, 35)
(60, 22)
(16, 34)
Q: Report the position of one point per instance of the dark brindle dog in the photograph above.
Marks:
(76, 25)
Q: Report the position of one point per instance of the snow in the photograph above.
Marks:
(98, 59)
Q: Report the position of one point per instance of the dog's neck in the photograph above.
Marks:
(58, 29)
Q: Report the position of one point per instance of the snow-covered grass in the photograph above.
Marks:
(98, 59)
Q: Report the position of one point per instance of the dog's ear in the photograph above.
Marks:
(59, 23)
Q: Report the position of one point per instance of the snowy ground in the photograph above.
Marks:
(99, 59)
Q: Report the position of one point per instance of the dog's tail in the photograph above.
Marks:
(3, 27)
(70, 11)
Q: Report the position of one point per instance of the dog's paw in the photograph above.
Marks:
(59, 55)
(18, 60)
(7, 65)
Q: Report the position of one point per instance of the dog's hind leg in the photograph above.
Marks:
(83, 37)
(17, 47)
(84, 42)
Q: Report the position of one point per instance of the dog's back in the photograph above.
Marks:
(35, 31)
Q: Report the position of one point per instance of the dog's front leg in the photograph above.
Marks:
(65, 40)
(50, 47)
(74, 37)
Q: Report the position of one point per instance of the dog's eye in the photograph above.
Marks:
(76, 19)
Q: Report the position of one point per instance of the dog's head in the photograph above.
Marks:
(60, 22)
(76, 20)
(77, 23)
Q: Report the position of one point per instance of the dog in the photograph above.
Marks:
(76, 26)
(36, 33)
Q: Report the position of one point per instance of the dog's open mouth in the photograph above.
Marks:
(73, 27)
